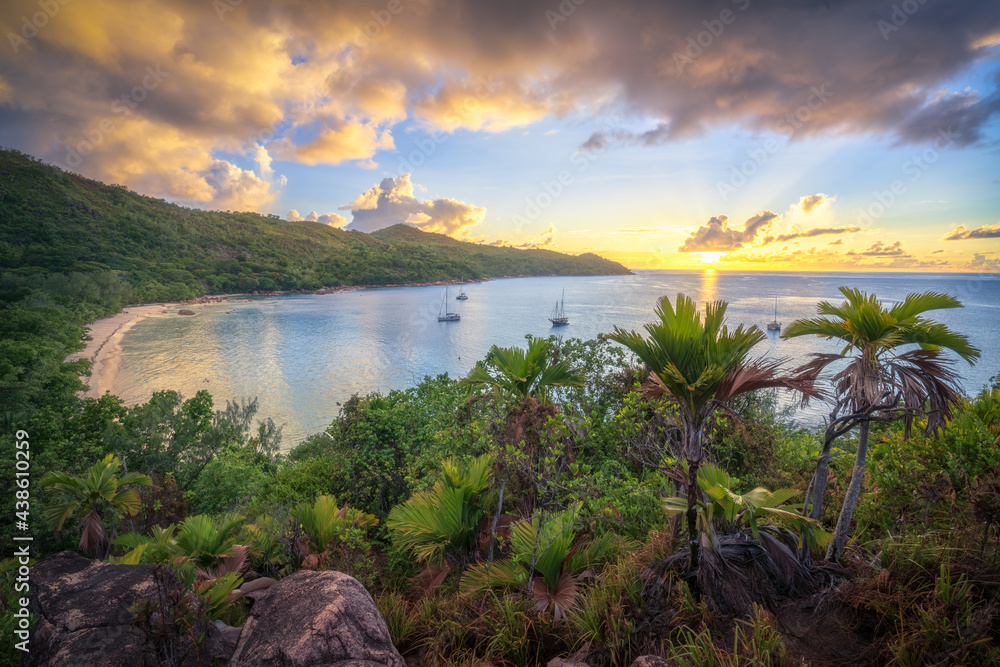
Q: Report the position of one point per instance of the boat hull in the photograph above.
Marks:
(559, 321)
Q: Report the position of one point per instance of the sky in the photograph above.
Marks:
(728, 134)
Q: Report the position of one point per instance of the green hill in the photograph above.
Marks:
(53, 221)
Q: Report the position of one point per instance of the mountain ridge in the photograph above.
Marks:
(53, 221)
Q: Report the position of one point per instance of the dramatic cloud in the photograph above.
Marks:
(392, 202)
(331, 219)
(716, 235)
(338, 141)
(960, 233)
(154, 94)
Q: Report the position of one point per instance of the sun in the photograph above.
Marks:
(710, 257)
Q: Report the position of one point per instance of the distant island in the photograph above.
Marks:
(52, 221)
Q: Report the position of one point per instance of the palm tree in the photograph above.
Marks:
(442, 524)
(548, 558)
(521, 381)
(523, 374)
(91, 498)
(880, 381)
(699, 366)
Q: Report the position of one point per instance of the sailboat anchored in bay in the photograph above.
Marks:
(443, 314)
(558, 316)
(775, 325)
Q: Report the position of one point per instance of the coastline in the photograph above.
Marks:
(104, 348)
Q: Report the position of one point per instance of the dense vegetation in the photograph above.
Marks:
(539, 507)
(634, 494)
(57, 222)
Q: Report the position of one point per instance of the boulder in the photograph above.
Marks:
(229, 632)
(315, 618)
(565, 662)
(258, 584)
(651, 661)
(185, 311)
(83, 614)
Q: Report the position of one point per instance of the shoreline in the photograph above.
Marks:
(104, 348)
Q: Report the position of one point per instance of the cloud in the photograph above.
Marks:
(810, 202)
(546, 239)
(879, 249)
(316, 89)
(817, 231)
(392, 202)
(716, 235)
(980, 262)
(960, 233)
(837, 242)
(337, 141)
(331, 219)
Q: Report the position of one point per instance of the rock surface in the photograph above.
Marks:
(315, 618)
(651, 661)
(565, 662)
(83, 614)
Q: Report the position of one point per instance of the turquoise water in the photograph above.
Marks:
(302, 355)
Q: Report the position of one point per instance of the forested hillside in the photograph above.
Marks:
(54, 221)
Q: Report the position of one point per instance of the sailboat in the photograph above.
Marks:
(443, 314)
(775, 325)
(462, 296)
(558, 317)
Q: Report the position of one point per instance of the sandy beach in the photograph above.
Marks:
(104, 349)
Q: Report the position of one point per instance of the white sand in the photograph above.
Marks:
(104, 351)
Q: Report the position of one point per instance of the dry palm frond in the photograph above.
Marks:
(92, 533)
(432, 577)
(235, 562)
(560, 599)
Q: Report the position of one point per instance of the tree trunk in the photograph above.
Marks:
(692, 516)
(820, 478)
(836, 548)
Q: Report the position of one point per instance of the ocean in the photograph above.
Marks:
(303, 355)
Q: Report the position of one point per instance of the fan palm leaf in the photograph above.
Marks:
(90, 498)
(699, 365)
(443, 523)
(522, 373)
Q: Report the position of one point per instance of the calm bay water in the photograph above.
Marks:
(302, 355)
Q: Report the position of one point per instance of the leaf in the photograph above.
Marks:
(432, 577)
(488, 575)
(92, 535)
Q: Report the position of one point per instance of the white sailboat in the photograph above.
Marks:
(775, 325)
(462, 296)
(558, 316)
(443, 314)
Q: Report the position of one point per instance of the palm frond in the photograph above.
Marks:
(501, 573)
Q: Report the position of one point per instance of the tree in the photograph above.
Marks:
(443, 524)
(522, 374)
(880, 381)
(92, 498)
(699, 366)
